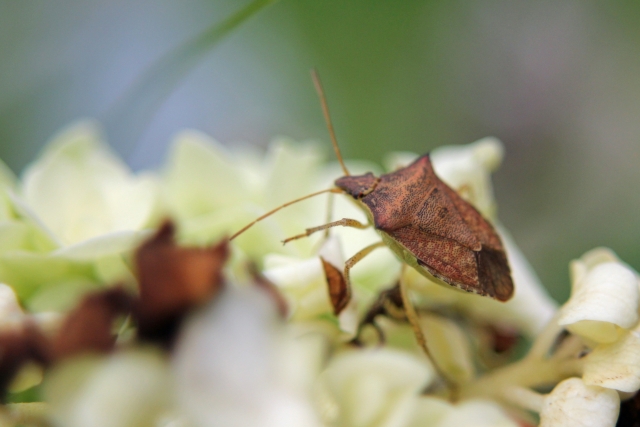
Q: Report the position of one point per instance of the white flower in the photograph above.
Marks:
(377, 387)
(235, 366)
(615, 365)
(449, 347)
(604, 300)
(572, 403)
(85, 197)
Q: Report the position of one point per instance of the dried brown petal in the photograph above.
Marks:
(88, 328)
(339, 293)
(174, 280)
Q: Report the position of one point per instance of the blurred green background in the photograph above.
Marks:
(557, 82)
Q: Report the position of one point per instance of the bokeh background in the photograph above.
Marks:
(557, 82)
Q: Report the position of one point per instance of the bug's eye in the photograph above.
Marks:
(357, 186)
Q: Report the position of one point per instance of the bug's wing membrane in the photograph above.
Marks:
(494, 273)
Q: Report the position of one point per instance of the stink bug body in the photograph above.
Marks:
(432, 229)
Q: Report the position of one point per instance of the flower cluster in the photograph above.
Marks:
(122, 303)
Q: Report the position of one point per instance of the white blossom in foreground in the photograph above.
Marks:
(604, 300)
(236, 366)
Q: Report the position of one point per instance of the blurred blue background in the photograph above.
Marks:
(557, 82)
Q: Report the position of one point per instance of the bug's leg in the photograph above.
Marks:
(355, 259)
(329, 213)
(414, 321)
(345, 222)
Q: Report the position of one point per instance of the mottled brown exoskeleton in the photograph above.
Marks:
(432, 229)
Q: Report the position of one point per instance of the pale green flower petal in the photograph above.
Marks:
(303, 284)
(60, 297)
(605, 300)
(15, 235)
(287, 159)
(100, 392)
(572, 403)
(27, 272)
(79, 190)
(107, 244)
(477, 413)
(375, 387)
(449, 347)
(201, 176)
(46, 238)
(615, 365)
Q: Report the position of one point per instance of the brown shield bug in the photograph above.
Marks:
(423, 221)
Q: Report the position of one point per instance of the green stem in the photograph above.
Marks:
(529, 373)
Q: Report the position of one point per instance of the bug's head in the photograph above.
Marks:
(357, 186)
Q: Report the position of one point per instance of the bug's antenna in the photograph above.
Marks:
(271, 212)
(327, 118)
